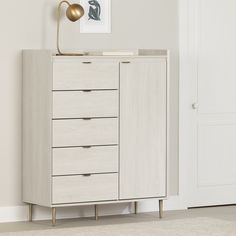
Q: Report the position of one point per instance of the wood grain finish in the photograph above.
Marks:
(143, 126)
(81, 132)
(70, 189)
(37, 110)
(79, 104)
(77, 75)
(98, 117)
(83, 160)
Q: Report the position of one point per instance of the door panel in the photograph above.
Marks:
(216, 157)
(143, 129)
(211, 123)
(216, 56)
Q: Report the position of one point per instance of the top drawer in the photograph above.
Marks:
(79, 75)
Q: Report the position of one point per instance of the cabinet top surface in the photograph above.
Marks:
(158, 53)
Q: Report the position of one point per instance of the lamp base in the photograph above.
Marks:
(70, 54)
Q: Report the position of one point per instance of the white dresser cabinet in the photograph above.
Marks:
(95, 129)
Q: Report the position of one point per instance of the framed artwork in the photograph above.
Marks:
(97, 16)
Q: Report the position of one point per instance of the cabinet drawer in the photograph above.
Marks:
(82, 160)
(73, 189)
(77, 75)
(80, 132)
(81, 104)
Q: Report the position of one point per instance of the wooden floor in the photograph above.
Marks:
(226, 213)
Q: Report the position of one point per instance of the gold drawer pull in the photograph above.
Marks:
(87, 175)
(87, 147)
(87, 62)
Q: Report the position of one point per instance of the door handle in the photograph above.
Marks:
(87, 175)
(87, 147)
(87, 90)
(125, 62)
(195, 106)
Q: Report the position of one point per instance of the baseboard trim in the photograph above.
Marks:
(20, 213)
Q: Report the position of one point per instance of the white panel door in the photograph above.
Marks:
(212, 102)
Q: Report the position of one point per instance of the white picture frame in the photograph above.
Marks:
(97, 16)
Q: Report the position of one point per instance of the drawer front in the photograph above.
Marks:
(79, 104)
(74, 189)
(81, 160)
(82, 132)
(77, 75)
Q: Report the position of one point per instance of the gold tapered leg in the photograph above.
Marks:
(96, 212)
(135, 208)
(30, 212)
(53, 216)
(160, 208)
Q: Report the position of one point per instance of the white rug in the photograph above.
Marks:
(184, 227)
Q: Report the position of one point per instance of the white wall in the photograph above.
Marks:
(31, 24)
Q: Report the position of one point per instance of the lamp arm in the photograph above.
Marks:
(58, 24)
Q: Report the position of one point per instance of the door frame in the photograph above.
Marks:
(187, 92)
(187, 68)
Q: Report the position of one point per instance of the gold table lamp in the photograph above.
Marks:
(74, 12)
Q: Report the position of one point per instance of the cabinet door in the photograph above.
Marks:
(143, 124)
